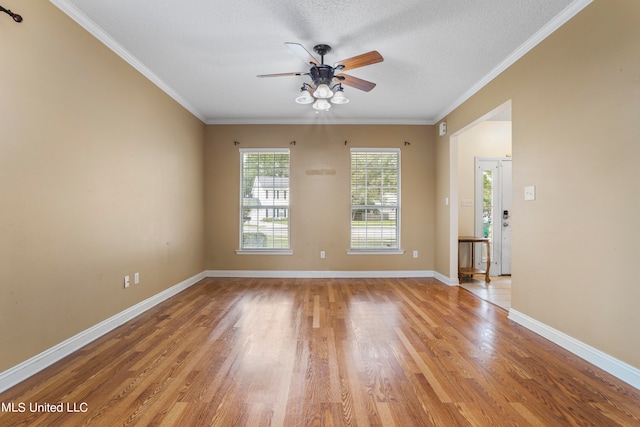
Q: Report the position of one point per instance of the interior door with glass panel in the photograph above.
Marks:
(493, 212)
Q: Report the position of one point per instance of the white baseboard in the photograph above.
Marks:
(446, 280)
(320, 274)
(35, 364)
(24, 370)
(613, 366)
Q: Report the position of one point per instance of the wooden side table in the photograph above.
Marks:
(471, 270)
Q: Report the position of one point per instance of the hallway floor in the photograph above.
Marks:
(498, 291)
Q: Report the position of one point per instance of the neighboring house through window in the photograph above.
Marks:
(375, 200)
(265, 185)
(264, 222)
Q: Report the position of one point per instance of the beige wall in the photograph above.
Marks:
(101, 175)
(319, 202)
(487, 139)
(576, 127)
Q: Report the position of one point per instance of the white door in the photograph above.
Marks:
(493, 213)
(505, 208)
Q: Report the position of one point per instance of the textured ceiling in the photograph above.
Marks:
(206, 53)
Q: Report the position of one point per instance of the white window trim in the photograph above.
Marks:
(381, 251)
(376, 252)
(265, 251)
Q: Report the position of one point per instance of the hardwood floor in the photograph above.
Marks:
(323, 352)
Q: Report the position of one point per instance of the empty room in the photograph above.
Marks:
(297, 213)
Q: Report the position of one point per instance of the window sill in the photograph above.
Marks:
(375, 252)
(264, 252)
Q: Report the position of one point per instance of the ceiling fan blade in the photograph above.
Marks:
(359, 61)
(302, 53)
(281, 74)
(355, 82)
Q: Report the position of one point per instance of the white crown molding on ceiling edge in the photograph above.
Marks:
(569, 12)
(74, 13)
(83, 20)
(320, 121)
(558, 21)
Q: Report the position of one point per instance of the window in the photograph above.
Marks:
(264, 222)
(375, 199)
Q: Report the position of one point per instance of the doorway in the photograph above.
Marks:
(461, 199)
(493, 213)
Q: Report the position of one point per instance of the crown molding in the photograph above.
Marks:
(320, 121)
(558, 21)
(83, 20)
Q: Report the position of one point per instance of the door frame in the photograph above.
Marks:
(452, 201)
(498, 199)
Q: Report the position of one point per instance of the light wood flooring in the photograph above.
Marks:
(498, 291)
(324, 352)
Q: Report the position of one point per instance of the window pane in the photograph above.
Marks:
(265, 200)
(375, 199)
(487, 210)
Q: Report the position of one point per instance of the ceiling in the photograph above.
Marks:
(206, 53)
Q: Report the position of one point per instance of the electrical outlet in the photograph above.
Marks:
(415, 254)
(136, 278)
(126, 281)
(442, 129)
(322, 254)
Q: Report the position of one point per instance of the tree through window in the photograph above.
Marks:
(375, 199)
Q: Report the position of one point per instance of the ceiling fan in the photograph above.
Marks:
(323, 91)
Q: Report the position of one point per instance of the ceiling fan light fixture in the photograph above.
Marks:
(326, 86)
(321, 105)
(339, 97)
(323, 92)
(305, 97)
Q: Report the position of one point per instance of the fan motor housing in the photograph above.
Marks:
(321, 74)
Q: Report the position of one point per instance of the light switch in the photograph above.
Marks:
(530, 192)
